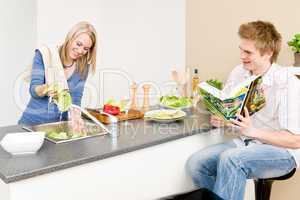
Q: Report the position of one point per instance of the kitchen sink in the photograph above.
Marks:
(91, 130)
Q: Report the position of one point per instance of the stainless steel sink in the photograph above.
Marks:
(92, 130)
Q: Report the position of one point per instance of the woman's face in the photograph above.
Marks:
(79, 46)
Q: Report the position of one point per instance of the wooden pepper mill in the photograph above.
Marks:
(133, 98)
(181, 84)
(146, 102)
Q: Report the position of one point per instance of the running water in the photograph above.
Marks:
(48, 109)
(61, 127)
(60, 116)
(49, 106)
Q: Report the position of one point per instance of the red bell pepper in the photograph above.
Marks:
(113, 110)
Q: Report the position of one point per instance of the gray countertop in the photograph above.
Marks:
(134, 135)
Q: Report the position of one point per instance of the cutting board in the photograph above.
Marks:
(132, 114)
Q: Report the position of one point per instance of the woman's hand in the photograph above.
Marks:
(51, 90)
(77, 122)
(45, 90)
(51, 93)
(41, 90)
(245, 124)
(216, 121)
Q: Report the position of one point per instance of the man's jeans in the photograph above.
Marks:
(224, 168)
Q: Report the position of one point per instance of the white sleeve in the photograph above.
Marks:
(234, 78)
(289, 106)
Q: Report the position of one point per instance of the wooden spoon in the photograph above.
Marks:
(175, 76)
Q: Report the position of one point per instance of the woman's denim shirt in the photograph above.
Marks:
(39, 110)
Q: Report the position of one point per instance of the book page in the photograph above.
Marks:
(240, 88)
(210, 89)
(225, 94)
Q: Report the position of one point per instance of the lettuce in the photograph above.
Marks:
(63, 100)
(57, 135)
(175, 102)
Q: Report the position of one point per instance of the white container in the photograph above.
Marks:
(23, 143)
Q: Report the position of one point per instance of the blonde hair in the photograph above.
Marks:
(265, 36)
(90, 57)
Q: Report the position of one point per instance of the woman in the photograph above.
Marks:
(77, 56)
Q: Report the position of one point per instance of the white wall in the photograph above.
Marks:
(17, 39)
(143, 40)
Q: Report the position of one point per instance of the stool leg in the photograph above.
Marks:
(263, 189)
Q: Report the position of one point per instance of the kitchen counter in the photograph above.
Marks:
(146, 161)
(133, 135)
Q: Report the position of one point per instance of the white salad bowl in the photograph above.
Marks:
(23, 143)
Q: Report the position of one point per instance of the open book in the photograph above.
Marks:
(227, 104)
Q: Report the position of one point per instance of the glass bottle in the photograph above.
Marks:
(195, 82)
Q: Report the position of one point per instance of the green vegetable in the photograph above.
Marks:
(175, 102)
(62, 135)
(57, 135)
(75, 135)
(213, 82)
(63, 101)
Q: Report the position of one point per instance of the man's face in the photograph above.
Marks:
(251, 58)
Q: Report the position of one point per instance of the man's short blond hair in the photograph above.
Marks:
(265, 36)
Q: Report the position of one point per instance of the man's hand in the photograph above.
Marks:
(216, 121)
(245, 125)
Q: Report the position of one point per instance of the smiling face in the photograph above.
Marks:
(252, 59)
(79, 46)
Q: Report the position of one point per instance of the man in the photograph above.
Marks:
(268, 142)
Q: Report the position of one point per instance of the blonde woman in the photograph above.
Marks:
(77, 56)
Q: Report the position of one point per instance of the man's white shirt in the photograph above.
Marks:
(282, 93)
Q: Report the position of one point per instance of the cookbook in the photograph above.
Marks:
(227, 104)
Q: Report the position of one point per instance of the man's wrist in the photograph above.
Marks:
(255, 133)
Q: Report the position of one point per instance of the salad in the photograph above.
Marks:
(166, 114)
(175, 102)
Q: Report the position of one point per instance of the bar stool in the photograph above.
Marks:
(263, 186)
(198, 194)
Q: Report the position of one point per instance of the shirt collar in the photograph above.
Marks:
(268, 77)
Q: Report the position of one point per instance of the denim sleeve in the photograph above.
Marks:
(78, 93)
(37, 74)
(76, 99)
